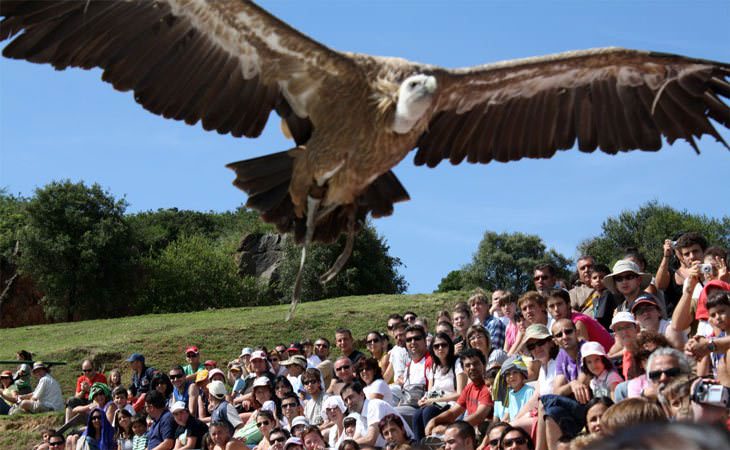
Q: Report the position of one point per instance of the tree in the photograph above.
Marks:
(13, 218)
(194, 273)
(76, 246)
(647, 228)
(370, 269)
(505, 261)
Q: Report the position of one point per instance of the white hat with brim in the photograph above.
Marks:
(299, 420)
(536, 331)
(625, 266)
(591, 348)
(622, 317)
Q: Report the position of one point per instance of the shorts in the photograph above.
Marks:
(566, 412)
(38, 407)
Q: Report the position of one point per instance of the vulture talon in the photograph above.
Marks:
(346, 252)
(312, 208)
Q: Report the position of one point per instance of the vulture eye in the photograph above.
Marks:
(412, 84)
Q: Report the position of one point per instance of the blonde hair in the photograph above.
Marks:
(533, 296)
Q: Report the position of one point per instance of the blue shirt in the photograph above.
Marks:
(162, 428)
(496, 330)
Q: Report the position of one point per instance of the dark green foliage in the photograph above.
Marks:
(77, 247)
(505, 261)
(647, 228)
(370, 270)
(12, 220)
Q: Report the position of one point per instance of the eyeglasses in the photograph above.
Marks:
(670, 373)
(392, 326)
(533, 345)
(477, 336)
(541, 277)
(95, 417)
(628, 276)
(372, 341)
(175, 376)
(87, 370)
(265, 423)
(567, 332)
(624, 328)
(414, 339)
(516, 441)
(440, 345)
(192, 355)
(55, 444)
(308, 382)
(288, 405)
(409, 318)
(337, 369)
(278, 440)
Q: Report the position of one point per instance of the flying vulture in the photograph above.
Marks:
(353, 117)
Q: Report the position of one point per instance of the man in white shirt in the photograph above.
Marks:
(47, 395)
(371, 410)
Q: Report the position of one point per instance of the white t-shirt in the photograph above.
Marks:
(399, 358)
(377, 409)
(444, 382)
(417, 372)
(546, 377)
(379, 387)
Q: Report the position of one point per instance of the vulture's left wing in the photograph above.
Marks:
(226, 63)
(612, 99)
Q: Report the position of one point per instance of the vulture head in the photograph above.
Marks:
(414, 98)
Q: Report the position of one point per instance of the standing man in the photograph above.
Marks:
(628, 280)
(47, 395)
(545, 278)
(161, 435)
(580, 293)
(690, 251)
(344, 341)
(475, 400)
(141, 374)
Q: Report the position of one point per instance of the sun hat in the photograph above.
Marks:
(217, 389)
(201, 375)
(6, 374)
(299, 420)
(334, 401)
(624, 266)
(622, 316)
(261, 382)
(39, 365)
(215, 372)
(537, 331)
(258, 354)
(298, 360)
(591, 348)
(178, 406)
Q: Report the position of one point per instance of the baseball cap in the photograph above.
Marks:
(646, 299)
(201, 375)
(261, 381)
(299, 420)
(192, 349)
(246, 351)
(136, 357)
(215, 372)
(622, 316)
(591, 348)
(178, 406)
(211, 363)
(258, 354)
(217, 389)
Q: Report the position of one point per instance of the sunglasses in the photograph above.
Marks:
(279, 440)
(372, 341)
(516, 441)
(533, 345)
(414, 339)
(288, 405)
(337, 369)
(191, 355)
(265, 423)
(95, 417)
(87, 370)
(308, 382)
(670, 373)
(566, 332)
(322, 345)
(175, 376)
(56, 444)
(541, 278)
(392, 327)
(620, 278)
(440, 345)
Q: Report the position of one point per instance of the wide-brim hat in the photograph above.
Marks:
(622, 316)
(624, 266)
(298, 360)
(39, 365)
(591, 348)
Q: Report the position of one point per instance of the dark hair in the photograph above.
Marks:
(323, 339)
(473, 353)
(283, 431)
(370, 364)
(690, 239)
(666, 436)
(409, 312)
(391, 419)
(523, 433)
(444, 323)
(177, 367)
(266, 413)
(601, 269)
(533, 296)
(646, 336)
(343, 331)
(633, 252)
(354, 386)
(281, 379)
(607, 365)
(26, 355)
(496, 424)
(162, 378)
(121, 432)
(507, 298)
(139, 419)
(546, 267)
(220, 424)
(473, 329)
(156, 399)
(450, 356)
(312, 374)
(465, 430)
(120, 390)
(416, 329)
(718, 298)
(561, 294)
(718, 252)
(347, 442)
(311, 429)
(395, 316)
(292, 394)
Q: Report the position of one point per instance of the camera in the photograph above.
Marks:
(709, 393)
(674, 244)
(706, 268)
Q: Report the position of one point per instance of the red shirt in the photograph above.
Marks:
(473, 396)
(98, 378)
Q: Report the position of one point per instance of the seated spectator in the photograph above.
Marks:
(47, 395)
(515, 438)
(625, 331)
(139, 428)
(344, 341)
(89, 376)
(291, 407)
(22, 375)
(461, 320)
(312, 438)
(374, 344)
(595, 409)
(192, 356)
(588, 329)
(663, 435)
(294, 443)
(398, 357)
(475, 400)
(56, 441)
(265, 422)
(393, 431)
(9, 392)
(508, 307)
(647, 312)
(275, 359)
(631, 411)
(628, 280)
(478, 338)
(141, 377)
(344, 374)
(480, 311)
(372, 377)
(201, 389)
(596, 365)
(311, 379)
(277, 438)
(569, 379)
(123, 430)
(334, 413)
(222, 440)
(46, 434)
(220, 410)
(371, 412)
(513, 392)
(183, 390)
(162, 431)
(682, 400)
(190, 431)
(115, 379)
(580, 297)
(664, 365)
(298, 425)
(161, 383)
(603, 302)
(99, 433)
(491, 437)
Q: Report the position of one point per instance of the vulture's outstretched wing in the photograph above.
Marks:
(226, 63)
(612, 99)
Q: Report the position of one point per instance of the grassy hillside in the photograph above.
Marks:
(220, 335)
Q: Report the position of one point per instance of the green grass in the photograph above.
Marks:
(220, 335)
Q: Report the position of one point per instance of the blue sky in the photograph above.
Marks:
(70, 124)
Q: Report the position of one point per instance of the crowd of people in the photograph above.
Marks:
(569, 365)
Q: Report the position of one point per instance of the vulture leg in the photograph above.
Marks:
(346, 252)
(312, 207)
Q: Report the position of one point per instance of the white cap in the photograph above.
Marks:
(178, 406)
(261, 381)
(258, 354)
(622, 316)
(591, 348)
(217, 389)
(246, 351)
(293, 441)
(216, 371)
(299, 420)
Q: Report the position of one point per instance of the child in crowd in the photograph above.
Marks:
(596, 364)
(139, 428)
(121, 399)
(513, 376)
(602, 301)
(46, 434)
(718, 309)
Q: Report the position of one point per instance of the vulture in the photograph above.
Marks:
(228, 64)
